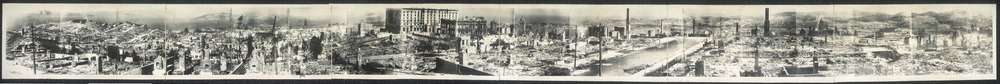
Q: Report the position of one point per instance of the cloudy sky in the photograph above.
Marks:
(666, 10)
(352, 13)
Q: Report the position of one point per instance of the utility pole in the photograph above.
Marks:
(737, 33)
(815, 59)
(600, 54)
(34, 63)
(910, 34)
(99, 61)
(358, 58)
(660, 30)
(575, 55)
(756, 57)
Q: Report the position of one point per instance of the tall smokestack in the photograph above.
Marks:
(794, 25)
(694, 25)
(274, 24)
(288, 17)
(627, 24)
(229, 19)
(516, 21)
(767, 22)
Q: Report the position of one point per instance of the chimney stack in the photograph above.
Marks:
(767, 22)
(627, 24)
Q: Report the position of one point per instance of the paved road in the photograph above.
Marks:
(616, 66)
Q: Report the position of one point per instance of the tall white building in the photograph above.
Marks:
(416, 19)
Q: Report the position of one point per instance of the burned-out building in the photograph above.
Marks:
(597, 31)
(479, 25)
(605, 31)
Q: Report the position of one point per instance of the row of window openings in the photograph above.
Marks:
(407, 18)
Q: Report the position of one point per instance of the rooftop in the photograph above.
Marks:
(428, 9)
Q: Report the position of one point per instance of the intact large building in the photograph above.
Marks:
(616, 32)
(416, 19)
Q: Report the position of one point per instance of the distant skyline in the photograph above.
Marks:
(668, 11)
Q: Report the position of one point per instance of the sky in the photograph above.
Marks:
(503, 12)
(352, 13)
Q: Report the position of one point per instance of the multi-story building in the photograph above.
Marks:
(472, 25)
(480, 25)
(416, 19)
(597, 31)
(364, 29)
(616, 32)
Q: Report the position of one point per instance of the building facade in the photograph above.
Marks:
(399, 20)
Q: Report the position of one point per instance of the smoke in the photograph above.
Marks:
(545, 16)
